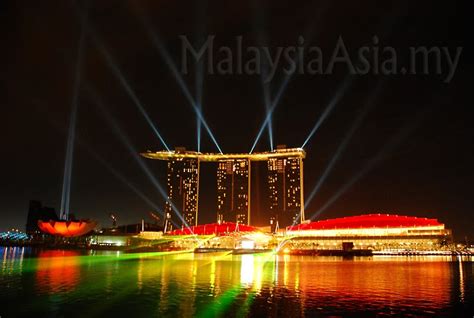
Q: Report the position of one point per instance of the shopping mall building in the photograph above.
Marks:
(377, 232)
(370, 231)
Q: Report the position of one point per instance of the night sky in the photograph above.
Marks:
(424, 124)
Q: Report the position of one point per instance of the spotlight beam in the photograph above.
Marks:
(82, 143)
(126, 141)
(169, 61)
(308, 35)
(199, 72)
(120, 176)
(268, 116)
(158, 43)
(342, 146)
(66, 190)
(262, 40)
(266, 93)
(330, 106)
(383, 153)
(121, 78)
(339, 94)
(199, 87)
(267, 102)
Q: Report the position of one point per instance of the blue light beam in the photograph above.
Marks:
(199, 104)
(266, 93)
(121, 78)
(120, 176)
(158, 43)
(333, 102)
(309, 33)
(342, 146)
(258, 21)
(199, 71)
(66, 190)
(82, 143)
(383, 153)
(128, 144)
(269, 114)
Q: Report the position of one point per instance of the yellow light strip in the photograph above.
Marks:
(415, 231)
(256, 156)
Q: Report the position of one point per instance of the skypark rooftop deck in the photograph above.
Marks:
(256, 156)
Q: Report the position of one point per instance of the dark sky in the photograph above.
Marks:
(428, 171)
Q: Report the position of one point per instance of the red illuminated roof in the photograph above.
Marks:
(367, 221)
(214, 229)
(66, 228)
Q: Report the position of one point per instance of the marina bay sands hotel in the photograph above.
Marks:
(285, 184)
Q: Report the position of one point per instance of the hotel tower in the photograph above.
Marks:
(285, 182)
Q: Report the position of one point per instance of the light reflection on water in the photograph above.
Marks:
(56, 271)
(71, 283)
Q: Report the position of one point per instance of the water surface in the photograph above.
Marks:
(59, 283)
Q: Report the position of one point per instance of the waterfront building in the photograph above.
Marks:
(67, 228)
(183, 190)
(233, 184)
(285, 184)
(233, 191)
(370, 231)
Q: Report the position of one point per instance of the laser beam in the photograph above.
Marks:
(199, 71)
(332, 103)
(121, 78)
(270, 112)
(158, 44)
(383, 153)
(265, 85)
(82, 143)
(345, 141)
(266, 94)
(66, 190)
(120, 176)
(198, 121)
(286, 79)
(387, 28)
(126, 141)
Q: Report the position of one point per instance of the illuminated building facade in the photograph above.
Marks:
(233, 191)
(371, 234)
(372, 231)
(183, 190)
(233, 184)
(67, 228)
(285, 183)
